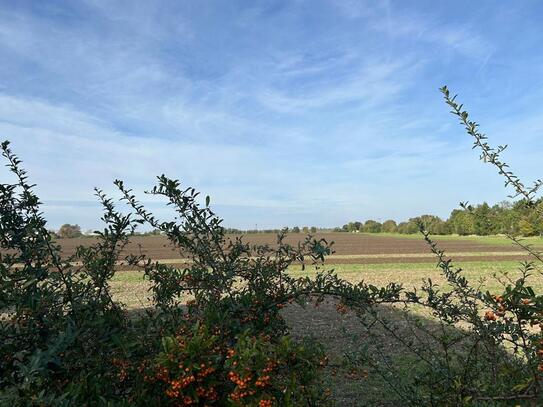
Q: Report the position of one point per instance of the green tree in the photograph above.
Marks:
(526, 228)
(352, 226)
(433, 224)
(69, 231)
(482, 220)
(389, 226)
(461, 222)
(372, 226)
(410, 227)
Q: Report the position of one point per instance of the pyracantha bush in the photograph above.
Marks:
(199, 366)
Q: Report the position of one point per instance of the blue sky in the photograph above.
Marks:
(284, 112)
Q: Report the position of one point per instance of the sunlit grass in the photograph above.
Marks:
(131, 289)
(413, 274)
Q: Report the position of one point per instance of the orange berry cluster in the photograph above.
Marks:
(242, 389)
(248, 318)
(263, 381)
(341, 308)
(264, 337)
(162, 374)
(500, 312)
(265, 403)
(205, 371)
(357, 374)
(123, 366)
(240, 382)
(490, 316)
(270, 366)
(501, 307)
(176, 386)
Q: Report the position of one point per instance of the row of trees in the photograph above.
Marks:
(516, 218)
(503, 218)
(68, 231)
(295, 229)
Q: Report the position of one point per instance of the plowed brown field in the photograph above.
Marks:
(348, 248)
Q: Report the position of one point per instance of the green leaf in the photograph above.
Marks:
(168, 344)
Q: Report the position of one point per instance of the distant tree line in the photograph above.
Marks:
(68, 231)
(516, 218)
(505, 217)
(295, 229)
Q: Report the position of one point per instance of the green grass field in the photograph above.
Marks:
(131, 289)
(412, 274)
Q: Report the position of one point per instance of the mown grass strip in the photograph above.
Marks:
(131, 287)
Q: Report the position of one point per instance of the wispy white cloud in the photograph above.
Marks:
(367, 85)
(420, 25)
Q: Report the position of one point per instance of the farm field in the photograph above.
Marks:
(352, 248)
(375, 258)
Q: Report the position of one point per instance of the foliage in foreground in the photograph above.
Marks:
(482, 348)
(65, 341)
(215, 335)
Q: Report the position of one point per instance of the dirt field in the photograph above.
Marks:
(348, 248)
